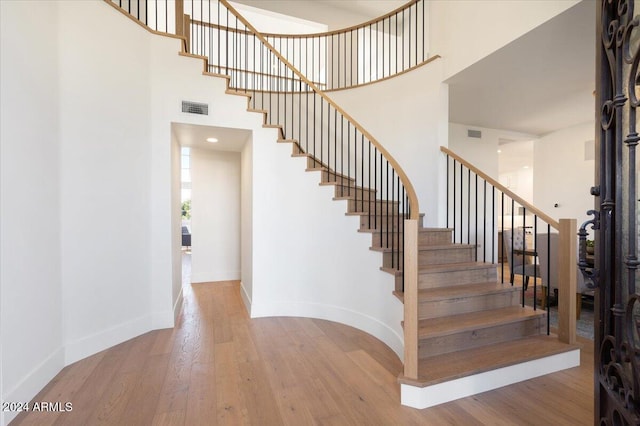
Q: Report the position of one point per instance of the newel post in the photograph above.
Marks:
(567, 280)
(411, 299)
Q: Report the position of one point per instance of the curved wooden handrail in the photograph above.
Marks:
(348, 29)
(389, 77)
(411, 193)
(528, 206)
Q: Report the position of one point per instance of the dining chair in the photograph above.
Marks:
(512, 242)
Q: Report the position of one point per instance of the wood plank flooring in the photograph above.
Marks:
(218, 367)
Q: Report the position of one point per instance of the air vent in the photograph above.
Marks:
(195, 108)
(474, 134)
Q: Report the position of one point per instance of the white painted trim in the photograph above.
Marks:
(177, 307)
(338, 314)
(245, 297)
(34, 381)
(87, 346)
(429, 396)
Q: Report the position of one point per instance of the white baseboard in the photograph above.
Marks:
(177, 307)
(34, 381)
(245, 298)
(363, 322)
(429, 396)
(87, 346)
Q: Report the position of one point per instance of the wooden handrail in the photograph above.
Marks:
(389, 77)
(260, 74)
(524, 203)
(411, 193)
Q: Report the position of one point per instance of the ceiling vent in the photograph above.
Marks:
(195, 108)
(474, 134)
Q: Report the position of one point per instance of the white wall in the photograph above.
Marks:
(411, 124)
(31, 350)
(215, 215)
(561, 173)
(176, 223)
(308, 258)
(105, 179)
(246, 225)
(465, 31)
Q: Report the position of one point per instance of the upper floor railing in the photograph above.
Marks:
(362, 54)
(375, 50)
(530, 246)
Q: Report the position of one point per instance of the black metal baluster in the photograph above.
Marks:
(461, 202)
(548, 301)
(455, 184)
(511, 267)
(468, 204)
(484, 222)
(502, 245)
(476, 225)
(535, 270)
(524, 248)
(448, 179)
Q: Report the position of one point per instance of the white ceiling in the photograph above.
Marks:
(539, 83)
(334, 13)
(195, 136)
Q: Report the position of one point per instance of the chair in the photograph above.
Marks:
(549, 269)
(186, 237)
(515, 241)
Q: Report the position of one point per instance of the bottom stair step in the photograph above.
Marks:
(456, 365)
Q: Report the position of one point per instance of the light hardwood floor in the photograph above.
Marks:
(220, 367)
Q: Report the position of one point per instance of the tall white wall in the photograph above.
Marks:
(246, 225)
(31, 351)
(176, 223)
(215, 215)
(105, 179)
(562, 175)
(465, 31)
(411, 124)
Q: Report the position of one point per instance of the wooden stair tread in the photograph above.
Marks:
(475, 320)
(464, 290)
(451, 366)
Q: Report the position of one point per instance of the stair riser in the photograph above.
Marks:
(331, 177)
(459, 277)
(366, 206)
(433, 257)
(447, 256)
(475, 338)
(433, 238)
(462, 305)
(360, 194)
(371, 222)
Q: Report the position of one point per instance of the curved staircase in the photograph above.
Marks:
(472, 332)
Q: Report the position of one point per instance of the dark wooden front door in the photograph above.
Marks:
(617, 321)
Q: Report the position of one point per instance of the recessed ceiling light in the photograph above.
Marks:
(499, 151)
(525, 167)
(212, 140)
